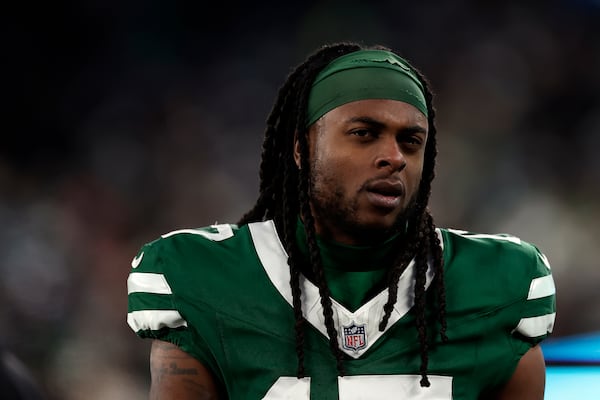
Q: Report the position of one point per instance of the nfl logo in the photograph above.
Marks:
(355, 337)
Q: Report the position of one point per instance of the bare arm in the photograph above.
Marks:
(529, 379)
(177, 375)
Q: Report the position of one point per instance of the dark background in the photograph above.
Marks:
(127, 119)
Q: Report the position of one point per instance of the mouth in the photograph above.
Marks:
(385, 194)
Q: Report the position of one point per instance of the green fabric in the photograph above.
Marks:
(351, 271)
(230, 286)
(364, 74)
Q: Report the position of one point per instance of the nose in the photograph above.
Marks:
(390, 156)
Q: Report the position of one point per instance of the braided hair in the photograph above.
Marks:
(284, 194)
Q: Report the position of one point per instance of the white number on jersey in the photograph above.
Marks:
(367, 387)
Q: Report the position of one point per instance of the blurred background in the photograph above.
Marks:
(124, 120)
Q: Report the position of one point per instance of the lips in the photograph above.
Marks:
(386, 194)
(386, 187)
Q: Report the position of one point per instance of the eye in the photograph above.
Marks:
(360, 132)
(414, 140)
(363, 133)
(411, 143)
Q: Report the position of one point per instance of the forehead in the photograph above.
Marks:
(384, 111)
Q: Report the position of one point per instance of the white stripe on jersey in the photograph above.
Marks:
(154, 319)
(536, 326)
(147, 282)
(223, 231)
(467, 234)
(541, 287)
(544, 260)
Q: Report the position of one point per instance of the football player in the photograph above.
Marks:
(337, 284)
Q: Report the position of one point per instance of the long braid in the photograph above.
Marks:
(431, 246)
(434, 244)
(290, 207)
(402, 260)
(284, 221)
(295, 271)
(284, 196)
(316, 262)
(420, 280)
(439, 281)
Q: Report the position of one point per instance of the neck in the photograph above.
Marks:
(350, 257)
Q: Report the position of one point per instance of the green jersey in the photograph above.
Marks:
(222, 294)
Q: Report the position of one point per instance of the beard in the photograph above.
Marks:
(333, 208)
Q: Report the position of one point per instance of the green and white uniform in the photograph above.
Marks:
(222, 294)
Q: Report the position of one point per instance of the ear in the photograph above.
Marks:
(296, 150)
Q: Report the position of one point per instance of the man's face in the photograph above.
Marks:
(366, 162)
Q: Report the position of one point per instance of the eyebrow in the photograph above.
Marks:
(380, 125)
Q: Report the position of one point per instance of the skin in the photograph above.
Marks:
(529, 379)
(366, 161)
(366, 164)
(177, 375)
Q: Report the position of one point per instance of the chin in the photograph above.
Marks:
(385, 222)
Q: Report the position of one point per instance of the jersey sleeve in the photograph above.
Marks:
(539, 307)
(511, 301)
(152, 308)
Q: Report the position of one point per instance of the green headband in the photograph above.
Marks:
(361, 75)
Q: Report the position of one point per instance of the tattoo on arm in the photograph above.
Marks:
(166, 359)
(176, 374)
